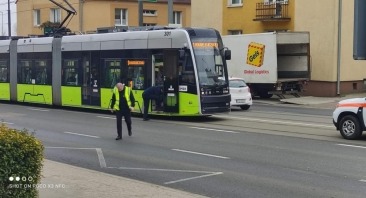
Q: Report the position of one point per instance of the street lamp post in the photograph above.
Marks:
(2, 24)
(9, 20)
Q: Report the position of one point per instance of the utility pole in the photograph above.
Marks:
(2, 24)
(339, 47)
(9, 21)
(170, 12)
(141, 10)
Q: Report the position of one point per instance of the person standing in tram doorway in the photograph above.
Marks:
(152, 93)
(123, 103)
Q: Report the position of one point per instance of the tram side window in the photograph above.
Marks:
(42, 72)
(25, 72)
(70, 75)
(3, 71)
(113, 73)
(35, 72)
(219, 65)
(187, 72)
(136, 73)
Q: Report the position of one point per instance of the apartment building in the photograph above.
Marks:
(334, 71)
(93, 14)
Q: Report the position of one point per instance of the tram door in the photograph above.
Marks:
(170, 81)
(91, 80)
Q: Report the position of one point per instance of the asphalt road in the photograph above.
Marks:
(272, 150)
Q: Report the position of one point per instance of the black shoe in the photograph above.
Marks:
(129, 133)
(146, 119)
(118, 138)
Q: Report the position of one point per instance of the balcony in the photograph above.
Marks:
(272, 12)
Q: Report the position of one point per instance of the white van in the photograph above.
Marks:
(349, 117)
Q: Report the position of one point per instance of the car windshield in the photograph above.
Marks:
(237, 83)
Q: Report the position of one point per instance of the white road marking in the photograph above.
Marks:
(101, 159)
(290, 114)
(103, 164)
(206, 173)
(204, 154)
(191, 178)
(277, 122)
(163, 170)
(7, 122)
(81, 134)
(354, 146)
(214, 130)
(60, 147)
(105, 117)
(34, 109)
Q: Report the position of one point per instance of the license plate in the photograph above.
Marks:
(240, 101)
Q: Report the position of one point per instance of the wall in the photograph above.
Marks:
(241, 18)
(320, 18)
(207, 13)
(96, 14)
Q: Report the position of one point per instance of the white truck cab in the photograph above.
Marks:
(349, 117)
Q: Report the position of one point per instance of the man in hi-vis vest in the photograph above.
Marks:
(122, 103)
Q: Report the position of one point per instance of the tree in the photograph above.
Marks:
(49, 24)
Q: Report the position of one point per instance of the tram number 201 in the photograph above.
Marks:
(167, 33)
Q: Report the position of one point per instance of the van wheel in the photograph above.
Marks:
(350, 128)
(245, 107)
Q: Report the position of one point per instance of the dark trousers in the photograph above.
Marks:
(146, 107)
(119, 115)
(147, 103)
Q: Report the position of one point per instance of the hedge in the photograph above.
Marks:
(21, 157)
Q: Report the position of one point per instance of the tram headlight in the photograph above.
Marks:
(202, 93)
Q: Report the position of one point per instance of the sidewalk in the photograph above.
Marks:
(321, 102)
(63, 181)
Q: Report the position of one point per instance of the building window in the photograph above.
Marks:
(150, 13)
(235, 2)
(177, 17)
(121, 17)
(36, 17)
(235, 32)
(55, 15)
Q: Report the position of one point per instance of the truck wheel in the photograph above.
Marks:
(265, 95)
(245, 107)
(350, 128)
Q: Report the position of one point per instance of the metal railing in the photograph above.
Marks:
(272, 12)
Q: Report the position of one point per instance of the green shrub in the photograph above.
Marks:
(21, 155)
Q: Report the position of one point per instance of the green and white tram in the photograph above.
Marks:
(81, 70)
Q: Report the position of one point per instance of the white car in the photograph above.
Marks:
(240, 93)
(349, 117)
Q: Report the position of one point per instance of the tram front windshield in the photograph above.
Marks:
(210, 65)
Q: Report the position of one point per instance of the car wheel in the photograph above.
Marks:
(349, 127)
(245, 107)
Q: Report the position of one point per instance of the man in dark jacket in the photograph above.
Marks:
(152, 93)
(123, 102)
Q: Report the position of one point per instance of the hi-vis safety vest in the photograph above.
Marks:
(127, 96)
